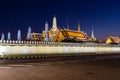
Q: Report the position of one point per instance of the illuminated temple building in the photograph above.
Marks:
(112, 40)
(37, 37)
(55, 34)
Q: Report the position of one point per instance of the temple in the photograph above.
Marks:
(112, 40)
(56, 34)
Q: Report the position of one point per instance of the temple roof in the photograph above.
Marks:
(112, 39)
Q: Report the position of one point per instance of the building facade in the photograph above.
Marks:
(57, 35)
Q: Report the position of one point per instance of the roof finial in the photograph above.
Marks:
(54, 15)
(79, 30)
(67, 24)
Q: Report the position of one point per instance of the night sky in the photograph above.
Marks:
(102, 15)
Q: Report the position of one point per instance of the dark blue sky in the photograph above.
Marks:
(103, 15)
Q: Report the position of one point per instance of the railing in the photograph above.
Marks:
(40, 43)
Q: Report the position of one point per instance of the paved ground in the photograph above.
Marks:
(80, 70)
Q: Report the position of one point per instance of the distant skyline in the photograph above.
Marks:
(103, 15)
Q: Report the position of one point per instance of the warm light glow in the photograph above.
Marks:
(52, 48)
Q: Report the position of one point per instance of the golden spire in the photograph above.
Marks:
(54, 26)
(79, 27)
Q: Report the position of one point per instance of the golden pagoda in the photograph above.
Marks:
(79, 30)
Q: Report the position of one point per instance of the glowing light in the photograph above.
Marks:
(3, 37)
(9, 36)
(29, 33)
(19, 35)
